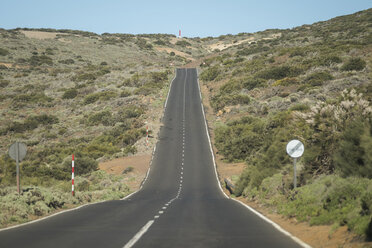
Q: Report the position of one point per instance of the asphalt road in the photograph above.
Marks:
(179, 205)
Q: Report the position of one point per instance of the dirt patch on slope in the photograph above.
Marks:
(220, 45)
(134, 167)
(39, 34)
(179, 53)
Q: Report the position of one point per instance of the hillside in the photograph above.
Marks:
(311, 83)
(68, 91)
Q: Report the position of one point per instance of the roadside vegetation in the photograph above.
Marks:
(78, 93)
(311, 83)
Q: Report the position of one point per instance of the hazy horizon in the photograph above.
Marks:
(194, 19)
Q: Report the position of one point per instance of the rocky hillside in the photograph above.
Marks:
(311, 83)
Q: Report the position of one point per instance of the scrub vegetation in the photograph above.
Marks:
(77, 93)
(90, 95)
(311, 83)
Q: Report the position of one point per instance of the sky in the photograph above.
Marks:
(195, 18)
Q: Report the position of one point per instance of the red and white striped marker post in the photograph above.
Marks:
(73, 175)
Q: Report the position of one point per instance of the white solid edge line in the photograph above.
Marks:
(166, 101)
(138, 235)
(50, 216)
(209, 139)
(279, 228)
(153, 153)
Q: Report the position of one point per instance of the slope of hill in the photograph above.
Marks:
(69, 92)
(311, 83)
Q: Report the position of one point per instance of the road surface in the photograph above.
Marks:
(179, 205)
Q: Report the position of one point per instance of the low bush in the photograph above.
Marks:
(280, 72)
(103, 117)
(40, 99)
(302, 107)
(182, 43)
(353, 156)
(332, 200)
(104, 96)
(70, 94)
(30, 123)
(218, 102)
(287, 81)
(67, 61)
(318, 78)
(3, 52)
(131, 111)
(125, 93)
(36, 60)
(84, 164)
(84, 77)
(4, 83)
(131, 136)
(354, 64)
(210, 74)
(329, 60)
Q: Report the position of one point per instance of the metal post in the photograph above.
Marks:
(17, 163)
(294, 173)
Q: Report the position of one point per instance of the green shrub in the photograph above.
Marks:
(125, 93)
(101, 146)
(41, 99)
(84, 164)
(67, 61)
(172, 54)
(131, 111)
(252, 50)
(30, 123)
(218, 102)
(332, 200)
(286, 82)
(84, 77)
(237, 140)
(160, 43)
(105, 96)
(318, 78)
(70, 94)
(252, 83)
(3, 52)
(354, 64)
(4, 83)
(104, 117)
(302, 107)
(130, 137)
(210, 74)
(142, 43)
(329, 60)
(36, 60)
(280, 72)
(353, 157)
(183, 43)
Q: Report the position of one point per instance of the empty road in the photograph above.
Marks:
(179, 205)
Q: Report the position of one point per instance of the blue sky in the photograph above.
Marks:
(193, 17)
